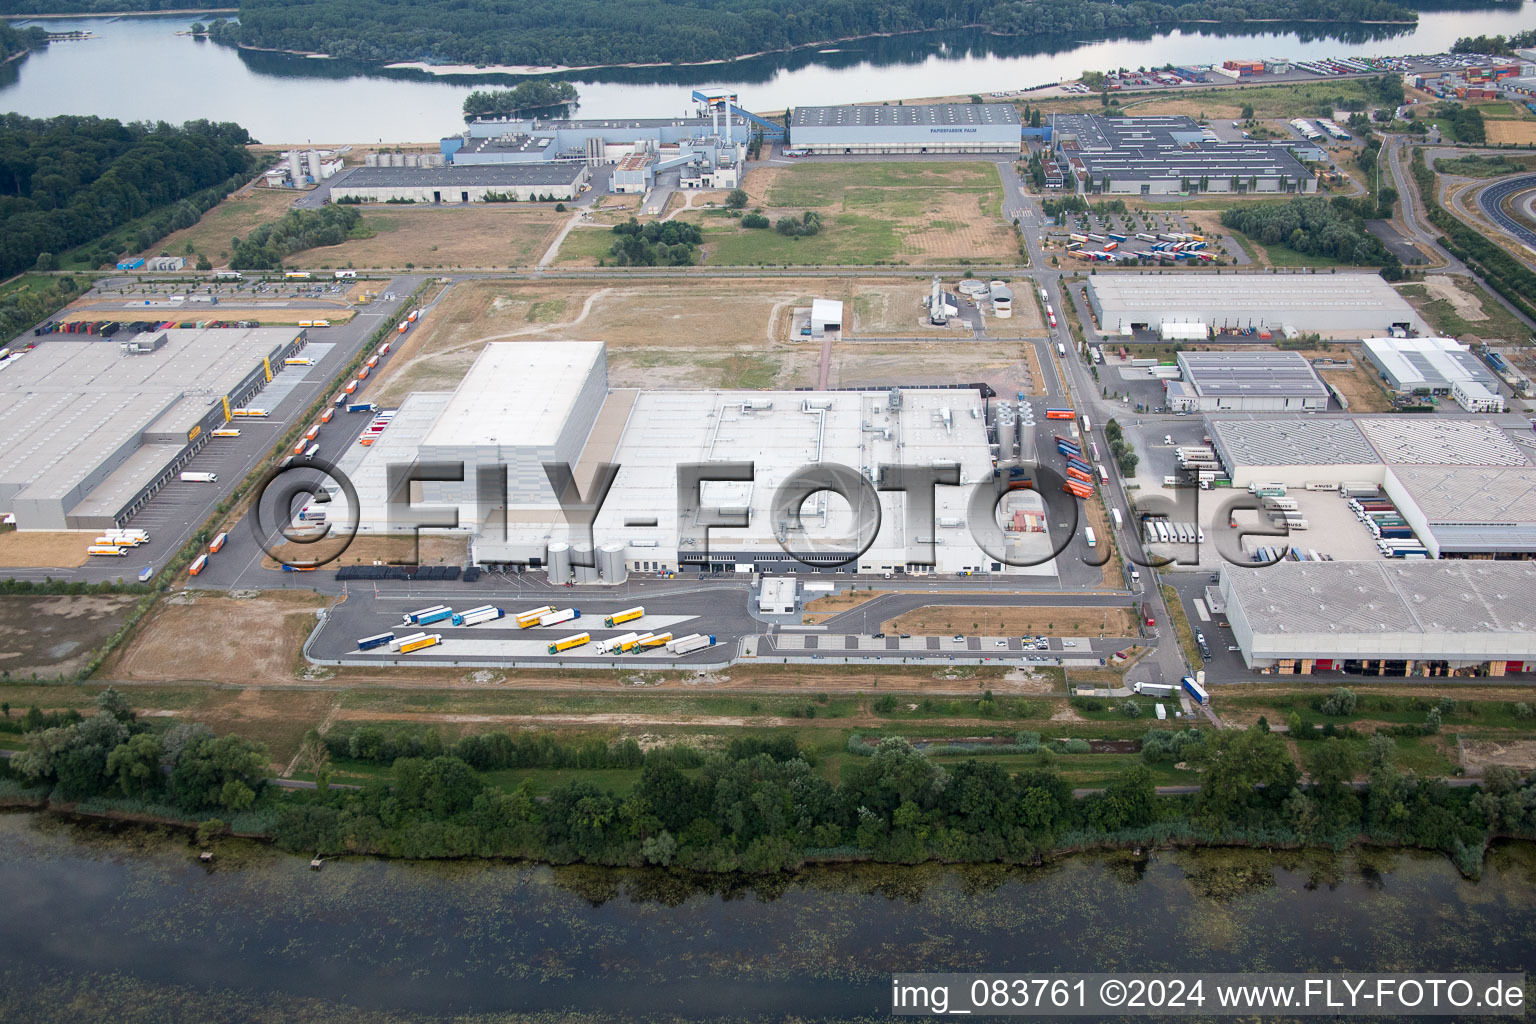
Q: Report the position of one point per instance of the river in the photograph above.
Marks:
(138, 68)
(127, 924)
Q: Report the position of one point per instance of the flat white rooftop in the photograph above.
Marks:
(517, 395)
(1333, 304)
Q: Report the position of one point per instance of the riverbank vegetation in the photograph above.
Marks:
(525, 96)
(587, 32)
(759, 804)
(66, 181)
(19, 40)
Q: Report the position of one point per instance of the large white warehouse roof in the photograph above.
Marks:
(1337, 305)
(517, 395)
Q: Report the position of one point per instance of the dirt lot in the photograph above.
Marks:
(1520, 133)
(366, 550)
(679, 337)
(1513, 753)
(1360, 387)
(43, 550)
(824, 608)
(1465, 303)
(997, 621)
(217, 638)
(482, 235)
(50, 636)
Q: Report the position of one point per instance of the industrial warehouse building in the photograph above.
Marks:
(936, 128)
(525, 404)
(1252, 381)
(1434, 366)
(454, 184)
(1408, 619)
(1295, 451)
(93, 428)
(1478, 512)
(1172, 155)
(1345, 305)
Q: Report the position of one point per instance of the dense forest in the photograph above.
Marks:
(67, 180)
(526, 96)
(583, 32)
(14, 41)
(762, 805)
(673, 243)
(1315, 227)
(295, 231)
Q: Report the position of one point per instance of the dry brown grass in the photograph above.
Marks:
(1519, 133)
(232, 218)
(1111, 574)
(215, 638)
(824, 608)
(937, 620)
(28, 549)
(432, 549)
(1481, 754)
(1360, 387)
(481, 235)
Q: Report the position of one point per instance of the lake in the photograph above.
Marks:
(139, 68)
(127, 924)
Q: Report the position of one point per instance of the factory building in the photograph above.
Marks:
(936, 128)
(707, 152)
(93, 428)
(527, 404)
(1344, 305)
(1432, 366)
(1393, 619)
(1171, 155)
(1249, 381)
(453, 184)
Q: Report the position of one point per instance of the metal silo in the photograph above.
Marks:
(313, 156)
(584, 573)
(610, 563)
(559, 562)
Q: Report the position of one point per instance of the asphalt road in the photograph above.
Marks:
(1491, 201)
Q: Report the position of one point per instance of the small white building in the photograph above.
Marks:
(826, 314)
(1473, 396)
(776, 596)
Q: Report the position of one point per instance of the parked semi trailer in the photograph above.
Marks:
(688, 644)
(627, 615)
(531, 616)
(430, 640)
(368, 643)
(1156, 689)
(417, 617)
(475, 616)
(199, 478)
(556, 617)
(569, 643)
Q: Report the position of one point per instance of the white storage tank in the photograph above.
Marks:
(558, 559)
(610, 563)
(584, 573)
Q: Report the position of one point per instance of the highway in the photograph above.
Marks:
(1491, 201)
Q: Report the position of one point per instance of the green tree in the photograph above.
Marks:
(135, 765)
(1246, 772)
(736, 199)
(227, 772)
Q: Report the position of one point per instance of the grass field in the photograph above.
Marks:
(1516, 133)
(1302, 99)
(1480, 165)
(871, 213)
(234, 218)
(482, 235)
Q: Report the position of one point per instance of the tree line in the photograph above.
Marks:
(17, 40)
(574, 32)
(1314, 226)
(525, 96)
(1495, 45)
(762, 804)
(67, 180)
(297, 230)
